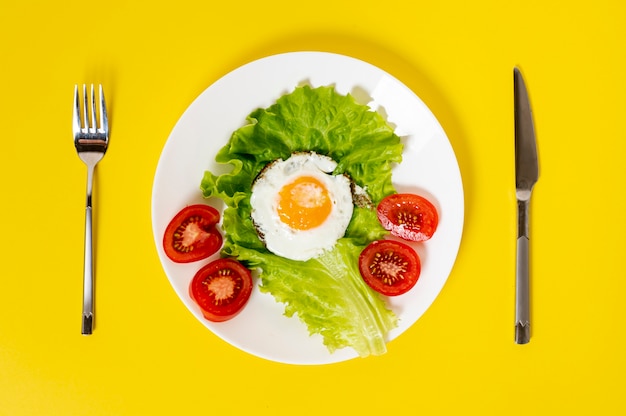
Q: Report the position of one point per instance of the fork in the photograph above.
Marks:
(91, 142)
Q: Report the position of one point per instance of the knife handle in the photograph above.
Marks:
(522, 286)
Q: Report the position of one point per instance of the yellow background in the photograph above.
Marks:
(149, 355)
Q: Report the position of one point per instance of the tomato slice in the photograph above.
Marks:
(408, 216)
(191, 235)
(221, 289)
(390, 267)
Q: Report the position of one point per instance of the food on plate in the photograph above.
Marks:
(326, 292)
(191, 235)
(299, 208)
(408, 216)
(221, 289)
(390, 267)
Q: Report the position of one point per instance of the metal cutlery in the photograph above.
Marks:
(526, 175)
(91, 139)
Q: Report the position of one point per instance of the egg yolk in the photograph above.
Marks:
(304, 203)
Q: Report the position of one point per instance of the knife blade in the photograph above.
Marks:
(526, 175)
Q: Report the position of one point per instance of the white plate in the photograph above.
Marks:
(429, 167)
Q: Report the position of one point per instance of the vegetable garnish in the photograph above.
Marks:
(221, 289)
(326, 292)
(408, 216)
(191, 235)
(390, 267)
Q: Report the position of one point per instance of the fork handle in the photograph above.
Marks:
(87, 326)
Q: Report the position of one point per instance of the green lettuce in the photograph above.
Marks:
(327, 293)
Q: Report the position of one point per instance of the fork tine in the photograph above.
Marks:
(104, 121)
(92, 97)
(76, 113)
(85, 109)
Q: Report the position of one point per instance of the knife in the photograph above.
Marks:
(526, 175)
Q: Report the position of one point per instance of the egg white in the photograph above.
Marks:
(283, 240)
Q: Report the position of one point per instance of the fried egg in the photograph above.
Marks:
(300, 209)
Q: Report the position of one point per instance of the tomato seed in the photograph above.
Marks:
(413, 220)
(389, 267)
(222, 286)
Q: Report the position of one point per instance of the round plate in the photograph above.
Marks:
(429, 167)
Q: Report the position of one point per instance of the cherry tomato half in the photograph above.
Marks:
(408, 216)
(191, 235)
(389, 267)
(221, 289)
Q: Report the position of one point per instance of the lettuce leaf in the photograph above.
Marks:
(327, 293)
